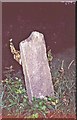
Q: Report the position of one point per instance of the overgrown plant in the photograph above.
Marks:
(15, 99)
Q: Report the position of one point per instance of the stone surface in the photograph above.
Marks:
(35, 66)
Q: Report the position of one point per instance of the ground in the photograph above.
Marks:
(14, 95)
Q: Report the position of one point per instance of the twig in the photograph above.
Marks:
(61, 68)
(71, 87)
(70, 64)
(62, 64)
(52, 115)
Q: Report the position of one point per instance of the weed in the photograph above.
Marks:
(15, 100)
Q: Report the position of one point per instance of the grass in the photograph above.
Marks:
(15, 101)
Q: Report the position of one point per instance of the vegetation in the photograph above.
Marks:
(15, 101)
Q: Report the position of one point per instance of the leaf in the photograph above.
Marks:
(1, 96)
(24, 100)
(41, 103)
(21, 104)
(12, 104)
(57, 101)
(34, 98)
(11, 101)
(1, 104)
(50, 107)
(53, 103)
(49, 55)
(44, 107)
(35, 115)
(36, 105)
(25, 96)
(19, 91)
(51, 99)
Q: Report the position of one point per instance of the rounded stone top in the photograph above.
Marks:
(36, 34)
(33, 37)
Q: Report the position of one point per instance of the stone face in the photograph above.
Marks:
(35, 66)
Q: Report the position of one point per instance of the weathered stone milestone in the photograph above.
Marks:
(35, 66)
